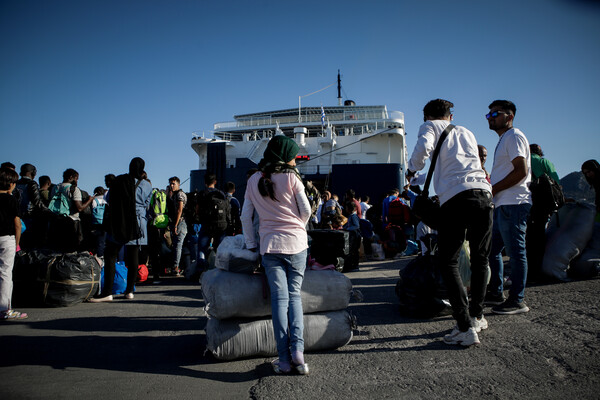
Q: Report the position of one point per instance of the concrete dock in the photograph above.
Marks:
(153, 347)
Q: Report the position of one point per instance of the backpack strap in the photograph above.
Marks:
(434, 158)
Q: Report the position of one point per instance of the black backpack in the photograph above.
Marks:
(214, 210)
(192, 208)
(547, 195)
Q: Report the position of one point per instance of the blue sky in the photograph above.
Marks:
(91, 84)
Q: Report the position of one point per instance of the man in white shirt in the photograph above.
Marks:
(510, 178)
(466, 212)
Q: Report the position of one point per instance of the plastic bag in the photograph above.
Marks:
(228, 294)
(233, 256)
(567, 241)
(231, 339)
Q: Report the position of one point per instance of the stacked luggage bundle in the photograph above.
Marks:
(47, 278)
(238, 306)
(339, 248)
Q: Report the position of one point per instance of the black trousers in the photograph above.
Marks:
(535, 242)
(468, 215)
(111, 252)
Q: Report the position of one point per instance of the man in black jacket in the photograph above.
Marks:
(34, 212)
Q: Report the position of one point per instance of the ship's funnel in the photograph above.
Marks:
(300, 135)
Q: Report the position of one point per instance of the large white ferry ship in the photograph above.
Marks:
(342, 147)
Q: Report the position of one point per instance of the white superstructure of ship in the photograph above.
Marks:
(336, 143)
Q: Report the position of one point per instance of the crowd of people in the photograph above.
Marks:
(130, 220)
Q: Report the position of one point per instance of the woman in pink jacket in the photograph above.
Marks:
(277, 194)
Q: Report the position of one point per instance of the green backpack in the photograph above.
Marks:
(60, 203)
(158, 207)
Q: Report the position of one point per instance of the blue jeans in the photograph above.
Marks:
(178, 241)
(510, 225)
(285, 273)
(205, 237)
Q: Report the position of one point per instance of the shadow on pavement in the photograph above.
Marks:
(163, 355)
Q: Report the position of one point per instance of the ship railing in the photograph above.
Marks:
(346, 116)
(307, 168)
(199, 135)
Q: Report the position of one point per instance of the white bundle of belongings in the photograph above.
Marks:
(572, 243)
(234, 295)
(238, 307)
(232, 255)
(236, 338)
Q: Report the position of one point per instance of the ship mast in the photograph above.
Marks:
(339, 89)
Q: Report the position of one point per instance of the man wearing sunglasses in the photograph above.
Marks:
(510, 177)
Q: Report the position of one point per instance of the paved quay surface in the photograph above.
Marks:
(152, 347)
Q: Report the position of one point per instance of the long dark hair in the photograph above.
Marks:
(266, 185)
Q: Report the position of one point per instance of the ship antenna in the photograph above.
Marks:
(339, 89)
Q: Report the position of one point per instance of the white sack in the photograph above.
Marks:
(228, 294)
(230, 339)
(567, 241)
(233, 256)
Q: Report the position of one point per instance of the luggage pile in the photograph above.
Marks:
(572, 243)
(335, 247)
(238, 306)
(421, 289)
(46, 278)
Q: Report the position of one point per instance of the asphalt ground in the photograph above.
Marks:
(153, 347)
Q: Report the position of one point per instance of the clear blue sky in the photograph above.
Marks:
(91, 84)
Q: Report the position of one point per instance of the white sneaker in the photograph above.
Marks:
(479, 323)
(467, 338)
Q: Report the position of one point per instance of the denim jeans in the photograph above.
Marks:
(178, 241)
(285, 273)
(467, 215)
(510, 226)
(8, 247)
(205, 237)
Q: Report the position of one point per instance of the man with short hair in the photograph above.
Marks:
(236, 210)
(538, 218)
(32, 208)
(483, 157)
(215, 217)
(466, 213)
(510, 178)
(391, 196)
(177, 224)
(66, 233)
(45, 187)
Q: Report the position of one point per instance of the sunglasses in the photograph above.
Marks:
(494, 114)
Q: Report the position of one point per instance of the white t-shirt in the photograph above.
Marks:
(458, 166)
(512, 144)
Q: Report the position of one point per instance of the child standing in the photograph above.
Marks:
(10, 234)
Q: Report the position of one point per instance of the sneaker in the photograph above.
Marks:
(101, 299)
(281, 367)
(466, 339)
(302, 369)
(298, 363)
(479, 324)
(128, 296)
(12, 315)
(493, 299)
(510, 307)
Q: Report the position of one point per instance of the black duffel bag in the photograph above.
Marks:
(46, 278)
